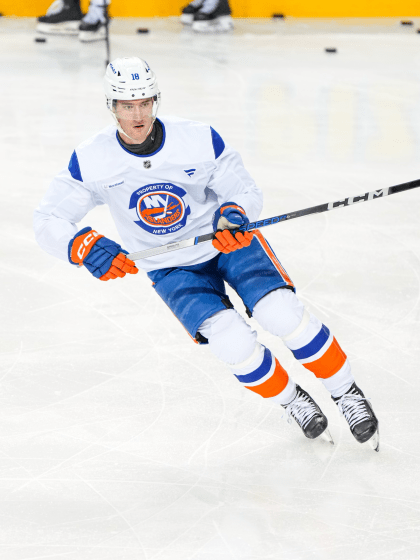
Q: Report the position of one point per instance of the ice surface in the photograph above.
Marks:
(121, 439)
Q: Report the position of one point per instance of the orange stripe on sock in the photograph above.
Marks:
(273, 257)
(329, 363)
(274, 385)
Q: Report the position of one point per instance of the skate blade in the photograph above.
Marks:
(187, 19)
(326, 435)
(91, 36)
(374, 441)
(65, 28)
(218, 25)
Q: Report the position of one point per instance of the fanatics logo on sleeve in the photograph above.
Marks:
(160, 207)
(190, 172)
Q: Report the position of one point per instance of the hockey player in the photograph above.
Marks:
(208, 16)
(169, 179)
(64, 17)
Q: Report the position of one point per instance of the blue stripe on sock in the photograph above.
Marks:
(258, 373)
(314, 346)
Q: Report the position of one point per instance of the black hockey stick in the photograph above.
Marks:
(372, 195)
(108, 55)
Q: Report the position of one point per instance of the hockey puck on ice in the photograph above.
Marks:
(40, 40)
(330, 49)
(278, 16)
(406, 23)
(143, 30)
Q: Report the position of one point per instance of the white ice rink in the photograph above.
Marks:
(120, 439)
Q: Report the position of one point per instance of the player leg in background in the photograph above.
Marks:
(189, 11)
(233, 341)
(281, 313)
(63, 17)
(93, 25)
(213, 16)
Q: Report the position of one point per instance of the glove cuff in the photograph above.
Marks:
(81, 244)
(226, 206)
(231, 206)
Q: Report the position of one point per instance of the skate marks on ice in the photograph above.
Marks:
(122, 439)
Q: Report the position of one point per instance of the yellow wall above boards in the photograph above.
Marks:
(240, 8)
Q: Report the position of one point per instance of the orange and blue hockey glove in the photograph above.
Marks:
(104, 258)
(230, 216)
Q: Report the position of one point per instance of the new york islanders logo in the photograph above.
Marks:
(160, 207)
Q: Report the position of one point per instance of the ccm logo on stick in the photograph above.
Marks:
(362, 198)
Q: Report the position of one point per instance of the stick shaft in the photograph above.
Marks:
(107, 48)
(349, 201)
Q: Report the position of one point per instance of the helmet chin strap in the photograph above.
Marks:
(154, 113)
(121, 131)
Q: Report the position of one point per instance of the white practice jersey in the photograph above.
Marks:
(154, 200)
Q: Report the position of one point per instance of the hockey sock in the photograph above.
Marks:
(317, 350)
(96, 12)
(340, 382)
(209, 6)
(233, 341)
(99, 3)
(262, 374)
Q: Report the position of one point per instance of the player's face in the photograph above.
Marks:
(135, 118)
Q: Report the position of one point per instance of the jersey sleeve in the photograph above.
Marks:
(231, 181)
(66, 202)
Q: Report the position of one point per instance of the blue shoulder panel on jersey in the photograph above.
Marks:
(74, 167)
(218, 144)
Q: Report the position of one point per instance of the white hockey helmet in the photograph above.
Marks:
(130, 78)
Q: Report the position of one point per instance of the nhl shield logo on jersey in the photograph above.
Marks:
(160, 207)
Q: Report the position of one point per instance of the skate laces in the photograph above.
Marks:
(95, 14)
(302, 409)
(55, 8)
(352, 407)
